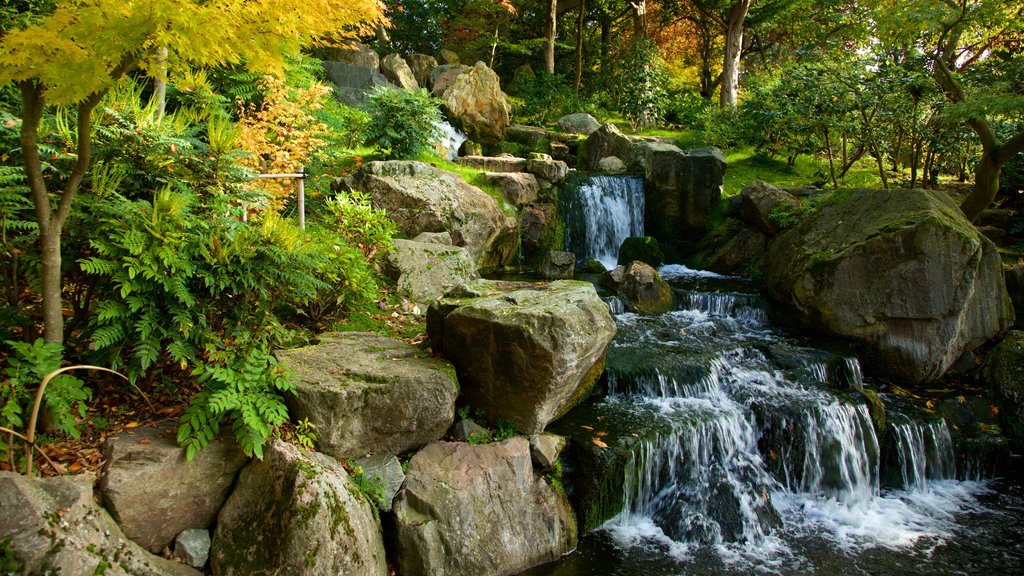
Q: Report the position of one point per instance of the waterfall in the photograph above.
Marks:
(923, 451)
(601, 212)
(448, 139)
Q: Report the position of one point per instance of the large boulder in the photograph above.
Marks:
(370, 394)
(355, 83)
(359, 55)
(154, 492)
(420, 198)
(527, 355)
(1004, 371)
(641, 286)
(732, 248)
(476, 104)
(1014, 274)
(579, 124)
(421, 65)
(541, 165)
(446, 56)
(903, 272)
(423, 272)
(397, 71)
(681, 189)
(442, 77)
(557, 265)
(540, 230)
(296, 512)
(470, 510)
(642, 248)
(757, 202)
(519, 188)
(52, 526)
(606, 141)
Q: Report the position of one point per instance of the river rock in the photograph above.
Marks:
(529, 136)
(902, 272)
(557, 265)
(53, 526)
(645, 290)
(527, 355)
(757, 202)
(578, 124)
(370, 394)
(470, 510)
(154, 492)
(476, 104)
(1004, 371)
(193, 546)
(297, 513)
(641, 248)
(545, 448)
(421, 65)
(423, 272)
(606, 141)
(420, 198)
(442, 77)
(397, 71)
(732, 248)
(519, 188)
(611, 164)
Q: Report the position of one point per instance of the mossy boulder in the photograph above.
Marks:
(1003, 370)
(470, 510)
(1014, 275)
(424, 271)
(53, 526)
(296, 512)
(641, 248)
(759, 200)
(370, 394)
(475, 103)
(732, 248)
(420, 198)
(641, 287)
(528, 354)
(901, 271)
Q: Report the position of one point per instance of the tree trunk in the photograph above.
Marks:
(549, 37)
(606, 43)
(160, 82)
(579, 46)
(639, 18)
(733, 52)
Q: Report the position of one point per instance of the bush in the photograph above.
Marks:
(686, 108)
(403, 123)
(544, 98)
(642, 81)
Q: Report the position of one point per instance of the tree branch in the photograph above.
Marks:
(31, 116)
(1010, 148)
(955, 93)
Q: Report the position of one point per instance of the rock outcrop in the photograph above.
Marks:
(370, 394)
(902, 272)
(420, 198)
(297, 513)
(526, 354)
(154, 492)
(518, 188)
(52, 526)
(421, 65)
(470, 510)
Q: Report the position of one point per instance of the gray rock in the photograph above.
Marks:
(395, 69)
(443, 238)
(464, 429)
(545, 448)
(606, 141)
(388, 470)
(475, 103)
(54, 527)
(1014, 275)
(527, 355)
(554, 171)
(681, 188)
(370, 394)
(421, 65)
(494, 163)
(472, 510)
(557, 265)
(424, 272)
(297, 513)
(561, 151)
(446, 56)
(539, 232)
(732, 248)
(529, 136)
(359, 55)
(154, 493)
(757, 202)
(193, 546)
(519, 188)
(579, 124)
(354, 83)
(611, 164)
(420, 198)
(442, 77)
(903, 272)
(641, 286)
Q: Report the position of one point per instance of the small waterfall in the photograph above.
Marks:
(449, 139)
(744, 307)
(616, 305)
(840, 458)
(601, 212)
(923, 451)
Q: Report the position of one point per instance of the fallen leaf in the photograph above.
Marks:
(598, 443)
(75, 467)
(145, 441)
(600, 434)
(132, 425)
(585, 427)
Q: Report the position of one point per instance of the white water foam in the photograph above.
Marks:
(677, 271)
(448, 138)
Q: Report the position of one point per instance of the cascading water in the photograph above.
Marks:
(601, 212)
(746, 449)
(448, 139)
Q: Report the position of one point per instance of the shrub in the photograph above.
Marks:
(642, 81)
(544, 98)
(403, 122)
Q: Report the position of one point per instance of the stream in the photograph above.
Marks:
(746, 448)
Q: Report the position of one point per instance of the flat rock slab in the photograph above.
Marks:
(54, 527)
(370, 394)
(154, 492)
(494, 163)
(297, 513)
(526, 355)
(470, 510)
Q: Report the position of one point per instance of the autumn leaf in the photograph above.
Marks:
(585, 427)
(598, 443)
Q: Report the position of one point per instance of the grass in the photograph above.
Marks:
(473, 177)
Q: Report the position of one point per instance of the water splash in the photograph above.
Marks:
(923, 451)
(601, 212)
(448, 139)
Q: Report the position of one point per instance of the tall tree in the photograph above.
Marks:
(549, 37)
(733, 51)
(76, 54)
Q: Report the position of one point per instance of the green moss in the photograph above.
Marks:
(876, 407)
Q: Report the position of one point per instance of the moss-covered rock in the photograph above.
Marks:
(642, 248)
(641, 286)
(527, 355)
(732, 248)
(903, 272)
(423, 271)
(1004, 372)
(297, 513)
(760, 204)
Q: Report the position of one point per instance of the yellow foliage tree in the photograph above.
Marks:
(76, 54)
